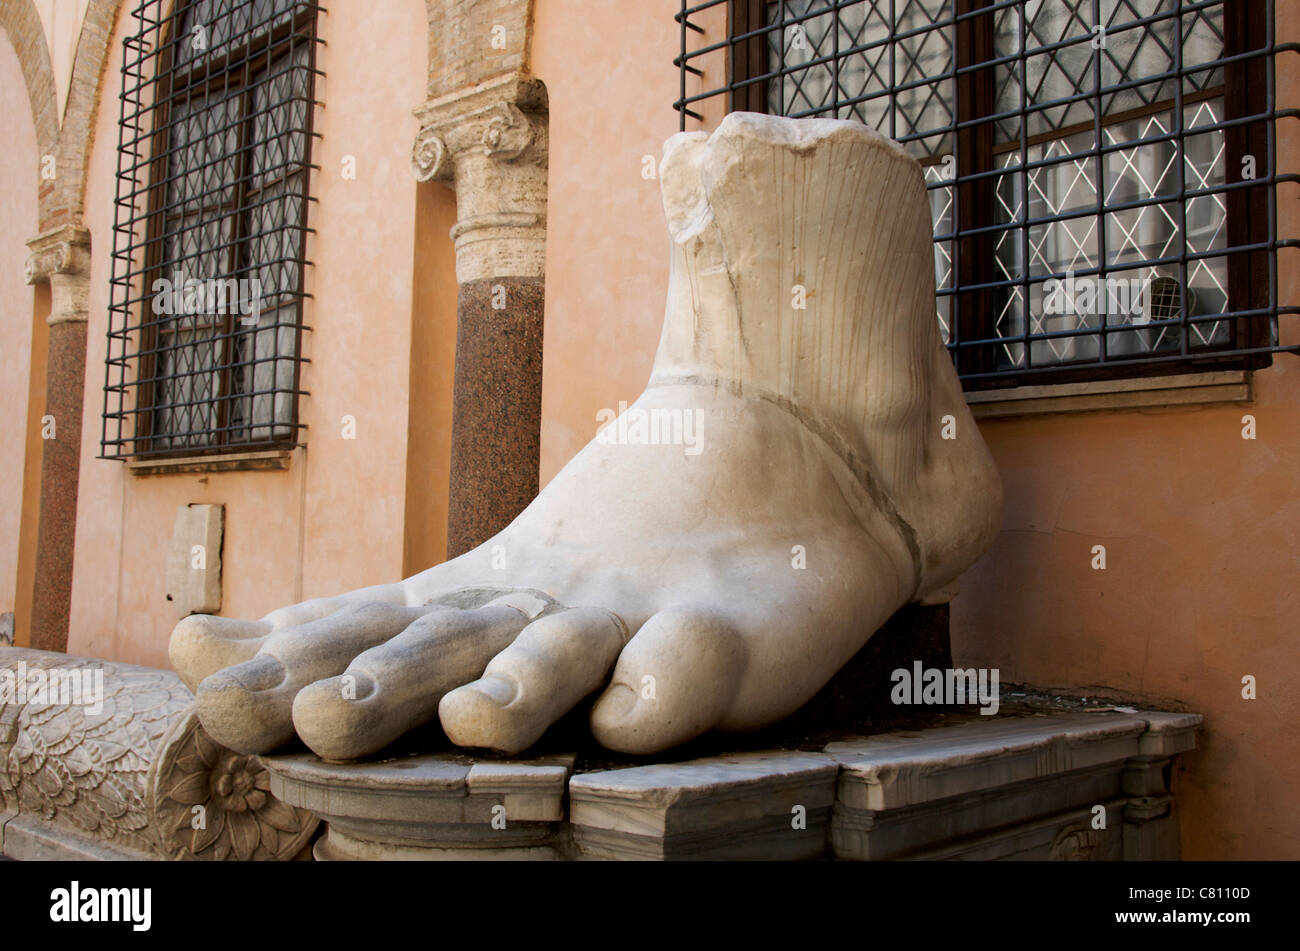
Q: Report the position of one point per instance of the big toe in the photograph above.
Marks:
(675, 680)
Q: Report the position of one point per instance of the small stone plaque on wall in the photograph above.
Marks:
(194, 559)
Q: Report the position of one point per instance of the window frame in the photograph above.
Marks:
(225, 73)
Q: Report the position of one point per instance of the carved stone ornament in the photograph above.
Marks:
(508, 132)
(1075, 844)
(83, 766)
(63, 250)
(115, 753)
(429, 157)
(499, 120)
(209, 803)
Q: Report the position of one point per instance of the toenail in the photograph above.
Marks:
(497, 689)
(260, 673)
(355, 687)
(617, 704)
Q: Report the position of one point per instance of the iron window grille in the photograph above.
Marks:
(1065, 143)
(206, 299)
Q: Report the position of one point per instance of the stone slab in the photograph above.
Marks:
(996, 789)
(772, 805)
(931, 829)
(894, 770)
(29, 839)
(1169, 733)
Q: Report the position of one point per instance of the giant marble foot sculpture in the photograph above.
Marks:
(712, 585)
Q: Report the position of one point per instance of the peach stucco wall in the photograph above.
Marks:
(335, 519)
(432, 368)
(20, 160)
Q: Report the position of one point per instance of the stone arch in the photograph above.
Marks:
(69, 140)
(84, 93)
(23, 24)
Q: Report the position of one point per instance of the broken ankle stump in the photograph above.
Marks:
(102, 760)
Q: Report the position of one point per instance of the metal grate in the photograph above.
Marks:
(214, 158)
(1102, 173)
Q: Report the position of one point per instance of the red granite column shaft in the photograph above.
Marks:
(497, 407)
(60, 467)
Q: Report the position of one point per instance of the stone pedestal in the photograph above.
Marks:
(1045, 787)
(430, 807)
(1060, 785)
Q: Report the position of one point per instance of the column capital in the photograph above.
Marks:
(61, 250)
(501, 119)
(489, 142)
(61, 257)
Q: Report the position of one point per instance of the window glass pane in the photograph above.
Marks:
(236, 181)
(280, 116)
(1057, 65)
(212, 29)
(848, 64)
(1128, 252)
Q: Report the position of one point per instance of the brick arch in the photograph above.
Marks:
(23, 24)
(84, 93)
(62, 200)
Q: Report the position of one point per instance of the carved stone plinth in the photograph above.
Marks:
(129, 780)
(430, 807)
(107, 761)
(1073, 786)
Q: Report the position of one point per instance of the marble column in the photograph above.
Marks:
(489, 142)
(60, 256)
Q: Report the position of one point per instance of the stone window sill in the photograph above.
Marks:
(1187, 389)
(224, 462)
